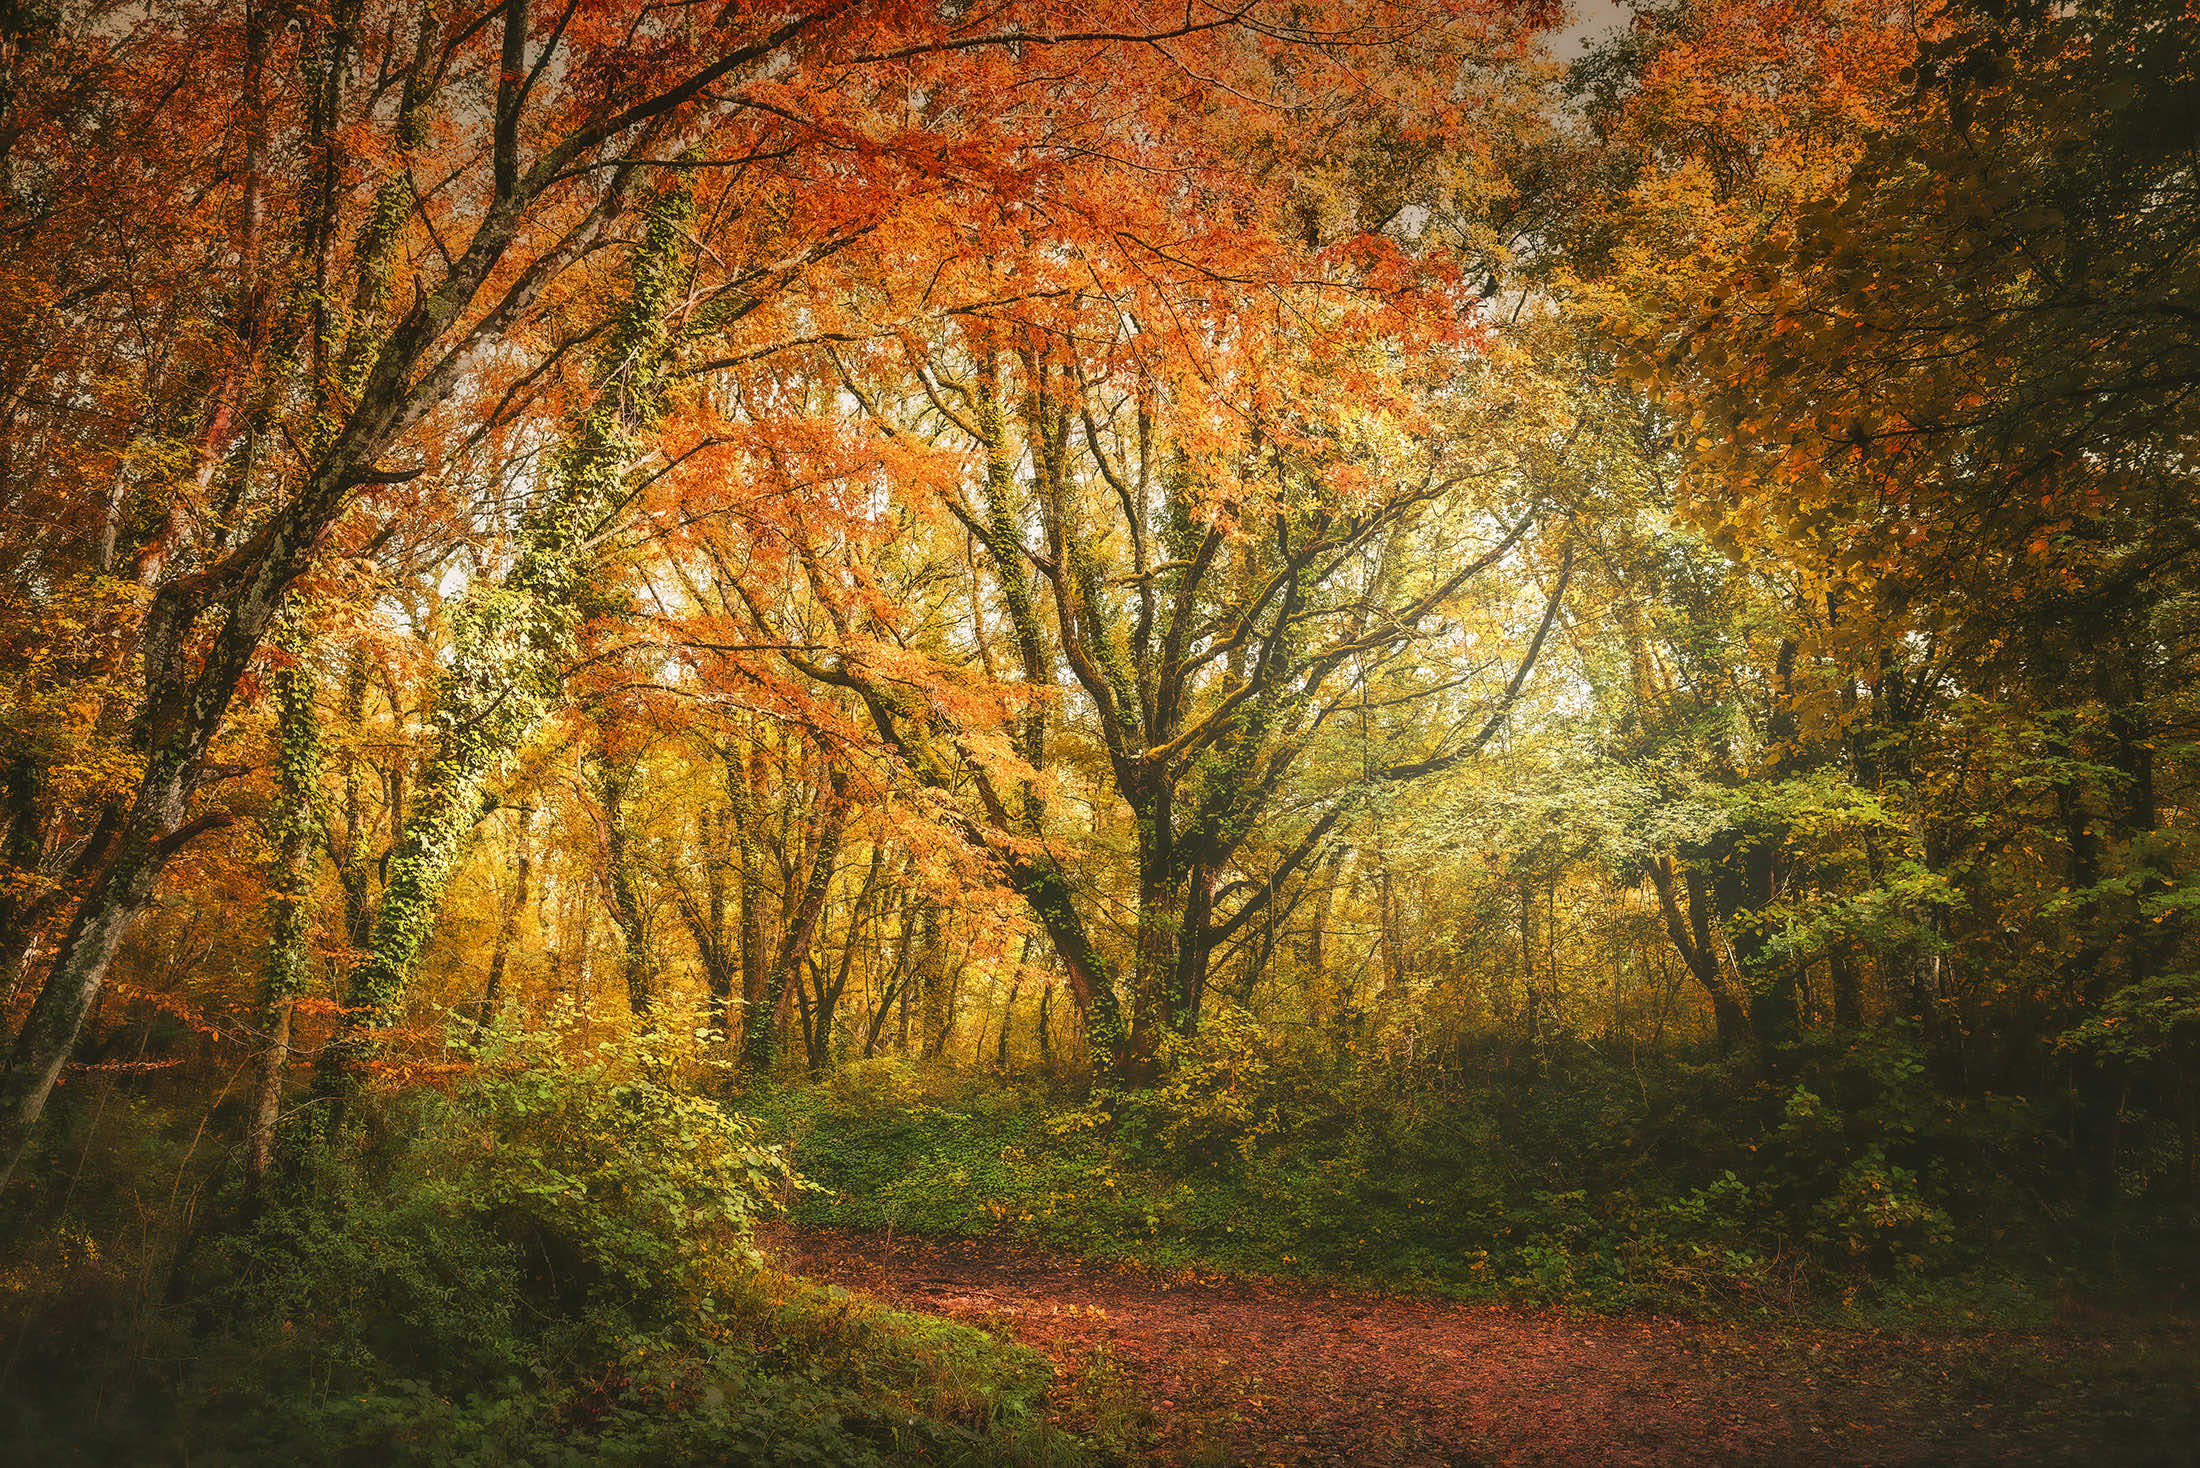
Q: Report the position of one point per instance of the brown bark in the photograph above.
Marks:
(761, 1023)
(1690, 933)
(492, 992)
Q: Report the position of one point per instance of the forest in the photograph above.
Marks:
(1099, 732)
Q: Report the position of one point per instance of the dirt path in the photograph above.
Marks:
(1200, 1372)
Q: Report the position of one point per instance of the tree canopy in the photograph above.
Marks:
(1253, 566)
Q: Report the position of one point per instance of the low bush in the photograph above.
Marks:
(1847, 1181)
(549, 1263)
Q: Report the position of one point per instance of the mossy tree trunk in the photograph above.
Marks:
(492, 991)
(512, 643)
(621, 879)
(290, 889)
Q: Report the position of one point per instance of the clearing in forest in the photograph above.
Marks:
(1205, 1370)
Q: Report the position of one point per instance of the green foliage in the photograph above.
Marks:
(1217, 1096)
(1854, 1183)
(549, 1264)
(626, 1186)
(2146, 1021)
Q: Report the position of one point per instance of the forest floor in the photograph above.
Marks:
(1199, 1370)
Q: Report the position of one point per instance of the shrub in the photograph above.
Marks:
(618, 1182)
(550, 1263)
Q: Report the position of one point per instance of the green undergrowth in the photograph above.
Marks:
(549, 1264)
(1846, 1187)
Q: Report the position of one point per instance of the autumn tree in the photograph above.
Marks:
(382, 212)
(1985, 459)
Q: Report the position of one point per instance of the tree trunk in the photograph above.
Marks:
(1194, 945)
(622, 887)
(706, 921)
(492, 992)
(1008, 1010)
(896, 987)
(748, 842)
(1848, 1006)
(1690, 933)
(760, 1033)
(511, 645)
(1157, 1002)
(290, 896)
(1742, 888)
(348, 852)
(153, 830)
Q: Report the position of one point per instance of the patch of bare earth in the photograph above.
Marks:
(1272, 1373)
